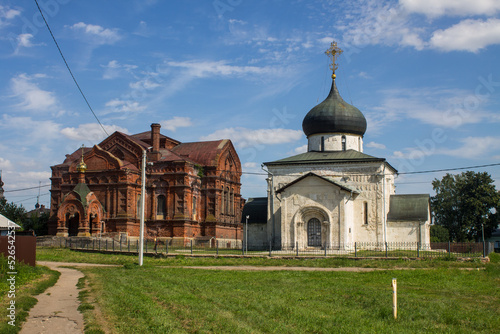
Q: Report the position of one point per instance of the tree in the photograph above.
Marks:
(465, 204)
(15, 213)
(37, 223)
(439, 234)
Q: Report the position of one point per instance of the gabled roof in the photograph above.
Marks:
(315, 157)
(338, 183)
(203, 152)
(146, 137)
(409, 207)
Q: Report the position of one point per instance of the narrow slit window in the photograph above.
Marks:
(365, 209)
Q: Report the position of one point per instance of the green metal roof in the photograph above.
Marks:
(326, 156)
(82, 190)
(409, 207)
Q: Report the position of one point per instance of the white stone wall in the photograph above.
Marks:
(408, 231)
(347, 212)
(333, 142)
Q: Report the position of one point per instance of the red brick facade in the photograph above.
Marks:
(192, 189)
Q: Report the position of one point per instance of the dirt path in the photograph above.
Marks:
(57, 308)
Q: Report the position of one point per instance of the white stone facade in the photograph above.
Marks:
(335, 142)
(349, 204)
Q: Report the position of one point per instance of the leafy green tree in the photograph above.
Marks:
(439, 234)
(37, 223)
(15, 213)
(464, 203)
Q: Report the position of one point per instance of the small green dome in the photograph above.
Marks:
(334, 115)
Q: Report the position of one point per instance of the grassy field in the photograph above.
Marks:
(67, 255)
(29, 281)
(436, 296)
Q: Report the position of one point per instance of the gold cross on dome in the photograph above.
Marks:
(333, 53)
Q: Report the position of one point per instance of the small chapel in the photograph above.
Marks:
(192, 190)
(334, 194)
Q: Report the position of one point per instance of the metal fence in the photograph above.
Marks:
(216, 248)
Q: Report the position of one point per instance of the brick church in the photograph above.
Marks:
(192, 189)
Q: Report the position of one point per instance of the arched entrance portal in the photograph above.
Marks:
(314, 232)
(72, 223)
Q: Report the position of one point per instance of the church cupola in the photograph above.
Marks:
(334, 125)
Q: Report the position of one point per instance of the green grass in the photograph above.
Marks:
(30, 281)
(162, 300)
(67, 255)
(437, 296)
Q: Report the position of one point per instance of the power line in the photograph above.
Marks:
(27, 199)
(449, 169)
(10, 191)
(67, 66)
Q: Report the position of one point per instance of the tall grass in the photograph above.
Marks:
(29, 281)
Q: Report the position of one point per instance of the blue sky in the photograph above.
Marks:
(425, 73)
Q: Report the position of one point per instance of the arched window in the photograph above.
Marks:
(161, 207)
(222, 205)
(138, 212)
(231, 209)
(194, 208)
(343, 143)
(322, 148)
(227, 201)
(314, 232)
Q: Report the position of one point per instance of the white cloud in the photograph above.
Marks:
(475, 147)
(300, 149)
(434, 8)
(97, 34)
(447, 108)
(114, 69)
(176, 122)
(7, 14)
(203, 69)
(243, 137)
(39, 131)
(24, 40)
(373, 144)
(144, 84)
(380, 23)
(5, 164)
(90, 132)
(123, 106)
(468, 35)
(250, 165)
(32, 97)
(471, 148)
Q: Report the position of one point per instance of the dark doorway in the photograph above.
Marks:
(314, 233)
(73, 225)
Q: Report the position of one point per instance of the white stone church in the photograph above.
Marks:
(335, 195)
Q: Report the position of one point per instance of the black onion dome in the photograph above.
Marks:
(334, 115)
